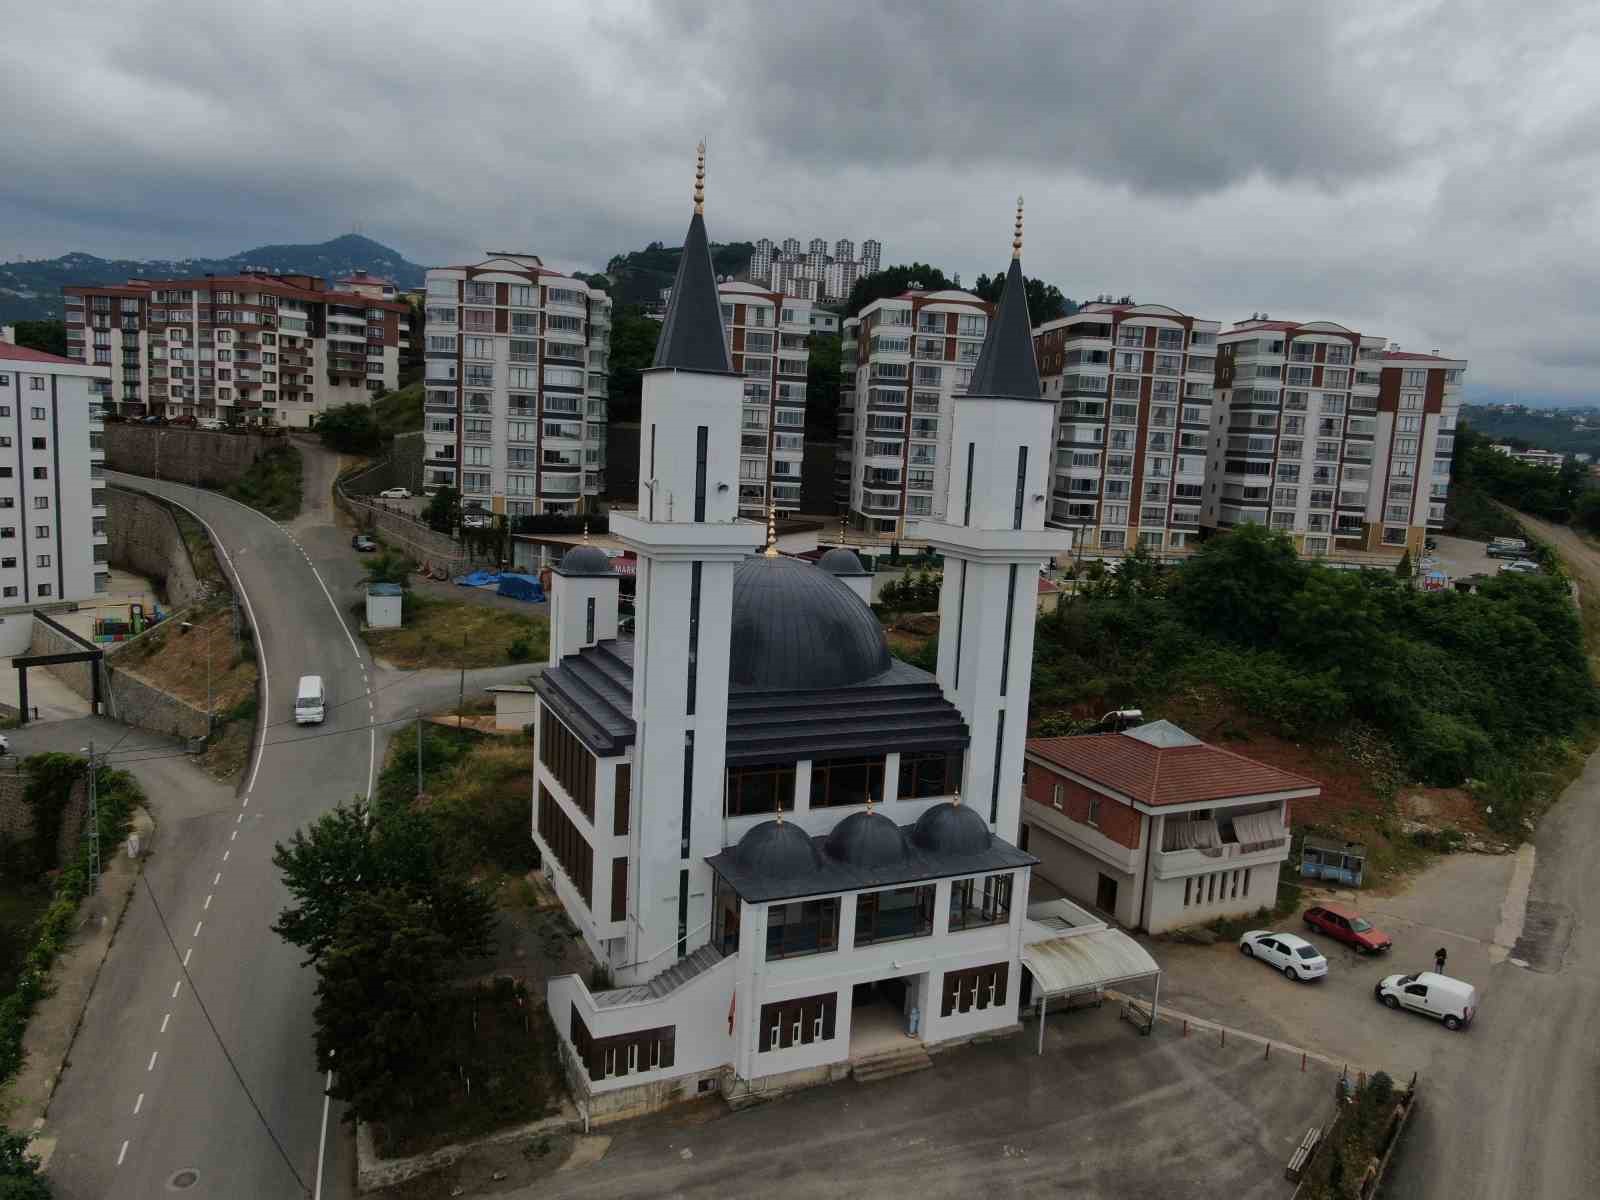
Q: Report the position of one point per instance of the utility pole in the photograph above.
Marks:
(94, 825)
(210, 703)
(419, 752)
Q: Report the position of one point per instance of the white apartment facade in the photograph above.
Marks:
(52, 501)
(515, 391)
(252, 349)
(769, 337)
(1133, 388)
(904, 361)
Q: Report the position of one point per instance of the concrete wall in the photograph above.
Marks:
(145, 706)
(1168, 911)
(404, 533)
(1077, 873)
(145, 538)
(186, 455)
(48, 639)
(405, 461)
(16, 814)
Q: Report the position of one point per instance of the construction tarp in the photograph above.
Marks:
(521, 587)
(478, 579)
(1077, 962)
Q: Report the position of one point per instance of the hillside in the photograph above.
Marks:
(32, 290)
(640, 275)
(1542, 428)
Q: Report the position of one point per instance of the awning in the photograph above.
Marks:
(1258, 829)
(1081, 961)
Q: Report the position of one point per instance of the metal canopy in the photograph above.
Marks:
(1092, 959)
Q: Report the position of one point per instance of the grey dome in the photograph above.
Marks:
(840, 561)
(797, 628)
(951, 829)
(778, 850)
(585, 560)
(867, 839)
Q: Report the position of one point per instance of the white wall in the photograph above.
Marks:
(1167, 910)
(1077, 872)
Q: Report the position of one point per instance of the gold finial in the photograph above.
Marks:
(869, 799)
(780, 812)
(772, 531)
(586, 533)
(841, 530)
(957, 800)
(1016, 237)
(700, 178)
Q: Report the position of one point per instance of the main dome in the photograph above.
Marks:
(798, 628)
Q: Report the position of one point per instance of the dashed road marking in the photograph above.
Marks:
(153, 1055)
(175, 988)
(197, 925)
(217, 880)
(225, 854)
(186, 954)
(138, 1104)
(207, 906)
(122, 1154)
(233, 835)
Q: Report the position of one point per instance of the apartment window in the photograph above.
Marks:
(41, 502)
(42, 560)
(797, 1022)
(8, 531)
(1057, 794)
(1410, 401)
(1113, 538)
(842, 781)
(894, 914)
(41, 472)
(977, 987)
(43, 589)
(762, 788)
(10, 592)
(982, 901)
(38, 414)
(41, 531)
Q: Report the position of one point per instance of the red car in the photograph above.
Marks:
(1348, 926)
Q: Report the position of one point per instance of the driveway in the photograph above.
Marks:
(1103, 1112)
(1460, 557)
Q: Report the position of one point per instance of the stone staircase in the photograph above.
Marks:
(667, 981)
(886, 1064)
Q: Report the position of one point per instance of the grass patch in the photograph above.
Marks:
(272, 484)
(399, 411)
(201, 552)
(499, 1068)
(449, 633)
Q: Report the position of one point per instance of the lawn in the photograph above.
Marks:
(272, 484)
(448, 633)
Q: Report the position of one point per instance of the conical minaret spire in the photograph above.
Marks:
(692, 336)
(1007, 368)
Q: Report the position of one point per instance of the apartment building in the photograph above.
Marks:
(515, 386)
(1133, 388)
(904, 360)
(1322, 433)
(251, 349)
(52, 503)
(812, 273)
(769, 337)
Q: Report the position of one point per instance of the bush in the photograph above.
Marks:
(519, 650)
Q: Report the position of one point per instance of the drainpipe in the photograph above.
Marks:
(1148, 829)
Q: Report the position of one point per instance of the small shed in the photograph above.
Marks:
(1333, 860)
(514, 705)
(384, 602)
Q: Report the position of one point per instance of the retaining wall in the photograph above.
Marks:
(50, 639)
(16, 814)
(143, 705)
(401, 530)
(144, 537)
(193, 456)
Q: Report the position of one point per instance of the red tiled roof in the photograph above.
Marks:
(1406, 354)
(11, 353)
(260, 283)
(1162, 775)
(1251, 326)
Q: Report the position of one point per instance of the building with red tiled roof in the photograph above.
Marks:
(256, 347)
(1156, 828)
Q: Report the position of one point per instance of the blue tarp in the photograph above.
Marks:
(478, 579)
(522, 587)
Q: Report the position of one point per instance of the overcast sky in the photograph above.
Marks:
(1421, 170)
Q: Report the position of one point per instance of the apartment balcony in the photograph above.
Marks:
(477, 435)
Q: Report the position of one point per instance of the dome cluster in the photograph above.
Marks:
(868, 840)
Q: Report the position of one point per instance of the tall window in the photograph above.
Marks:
(797, 1022)
(929, 773)
(760, 788)
(979, 987)
(837, 781)
(985, 900)
(568, 760)
(891, 915)
(567, 845)
(804, 927)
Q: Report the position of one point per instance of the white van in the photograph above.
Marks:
(310, 703)
(1433, 995)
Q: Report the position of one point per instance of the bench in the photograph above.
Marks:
(1301, 1158)
(1138, 1015)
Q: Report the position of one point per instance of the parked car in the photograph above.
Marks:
(1433, 995)
(212, 423)
(395, 494)
(1521, 566)
(364, 543)
(152, 420)
(1287, 952)
(1347, 925)
(5, 745)
(476, 520)
(185, 421)
(1430, 543)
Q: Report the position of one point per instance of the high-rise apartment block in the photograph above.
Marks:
(1323, 434)
(515, 386)
(813, 273)
(261, 348)
(769, 337)
(1133, 387)
(52, 500)
(904, 360)
(871, 256)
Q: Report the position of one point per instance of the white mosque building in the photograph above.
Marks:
(794, 855)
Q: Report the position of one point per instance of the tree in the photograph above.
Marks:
(1045, 301)
(633, 348)
(822, 383)
(1403, 568)
(443, 513)
(48, 336)
(386, 566)
(891, 281)
(1237, 585)
(349, 429)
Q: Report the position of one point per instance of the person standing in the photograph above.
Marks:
(1439, 956)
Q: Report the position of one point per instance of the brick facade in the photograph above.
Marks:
(1115, 820)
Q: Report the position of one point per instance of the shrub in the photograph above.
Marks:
(519, 650)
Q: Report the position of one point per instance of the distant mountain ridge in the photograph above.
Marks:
(31, 291)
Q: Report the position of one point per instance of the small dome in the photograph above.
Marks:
(778, 850)
(585, 560)
(798, 628)
(867, 839)
(951, 829)
(840, 561)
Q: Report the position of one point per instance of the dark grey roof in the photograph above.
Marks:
(796, 627)
(592, 691)
(951, 829)
(832, 874)
(692, 337)
(842, 561)
(868, 840)
(585, 560)
(1007, 369)
(778, 850)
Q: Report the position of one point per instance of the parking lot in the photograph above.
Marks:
(1459, 557)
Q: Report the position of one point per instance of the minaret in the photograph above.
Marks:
(993, 540)
(688, 539)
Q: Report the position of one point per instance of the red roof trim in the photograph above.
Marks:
(1157, 776)
(26, 354)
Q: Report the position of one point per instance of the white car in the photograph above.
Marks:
(1287, 952)
(212, 423)
(395, 494)
(1521, 566)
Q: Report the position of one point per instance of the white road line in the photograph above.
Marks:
(122, 1154)
(175, 988)
(186, 954)
(152, 1065)
(225, 854)
(217, 880)
(233, 835)
(138, 1104)
(322, 1138)
(339, 616)
(197, 925)
(165, 1018)
(246, 803)
(372, 754)
(239, 820)
(207, 906)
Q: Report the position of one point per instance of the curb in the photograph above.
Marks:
(373, 1172)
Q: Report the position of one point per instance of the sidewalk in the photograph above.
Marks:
(48, 1040)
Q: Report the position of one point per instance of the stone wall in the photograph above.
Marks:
(16, 814)
(192, 456)
(144, 706)
(399, 529)
(144, 537)
(50, 638)
(405, 461)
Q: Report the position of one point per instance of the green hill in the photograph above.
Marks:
(638, 277)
